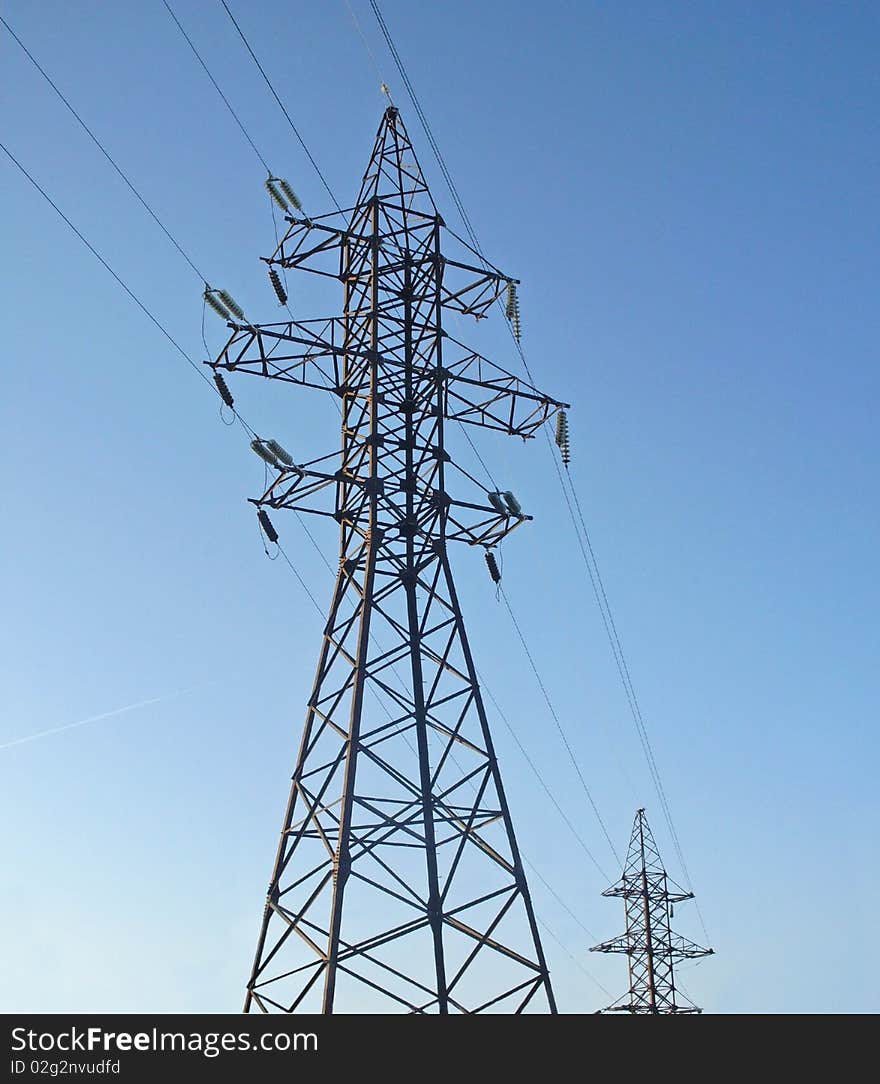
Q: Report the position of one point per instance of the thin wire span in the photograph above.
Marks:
(103, 150)
(281, 104)
(557, 721)
(216, 86)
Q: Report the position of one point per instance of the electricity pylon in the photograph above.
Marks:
(398, 884)
(649, 943)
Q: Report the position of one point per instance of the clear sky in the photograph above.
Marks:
(688, 193)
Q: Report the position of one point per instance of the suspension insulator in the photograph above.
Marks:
(515, 324)
(497, 503)
(292, 197)
(562, 437)
(266, 524)
(280, 454)
(274, 192)
(513, 505)
(231, 304)
(561, 427)
(492, 565)
(213, 302)
(275, 279)
(261, 448)
(512, 300)
(223, 389)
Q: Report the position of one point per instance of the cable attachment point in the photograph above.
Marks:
(512, 308)
(283, 194)
(277, 286)
(275, 193)
(562, 437)
(212, 302)
(222, 303)
(292, 197)
(271, 452)
(492, 565)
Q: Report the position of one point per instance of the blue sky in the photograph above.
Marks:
(688, 194)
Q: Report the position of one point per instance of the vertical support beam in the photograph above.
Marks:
(410, 576)
(284, 840)
(343, 851)
(649, 936)
(519, 872)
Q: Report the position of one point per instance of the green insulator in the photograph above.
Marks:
(261, 448)
(231, 304)
(291, 195)
(280, 454)
(213, 302)
(274, 192)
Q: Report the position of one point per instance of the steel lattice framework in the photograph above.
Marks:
(398, 884)
(649, 943)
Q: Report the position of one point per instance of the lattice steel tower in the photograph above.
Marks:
(398, 884)
(649, 943)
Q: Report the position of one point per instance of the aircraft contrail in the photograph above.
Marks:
(96, 718)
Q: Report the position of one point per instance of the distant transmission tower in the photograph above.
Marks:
(398, 884)
(652, 948)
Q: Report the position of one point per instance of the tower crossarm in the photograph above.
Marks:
(470, 290)
(316, 245)
(476, 523)
(306, 353)
(477, 391)
(686, 949)
(631, 887)
(313, 354)
(336, 251)
(620, 944)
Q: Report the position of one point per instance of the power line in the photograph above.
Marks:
(447, 176)
(202, 375)
(542, 781)
(226, 102)
(472, 234)
(558, 898)
(573, 958)
(182, 252)
(280, 103)
(556, 720)
(370, 53)
(153, 319)
(635, 707)
(103, 150)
